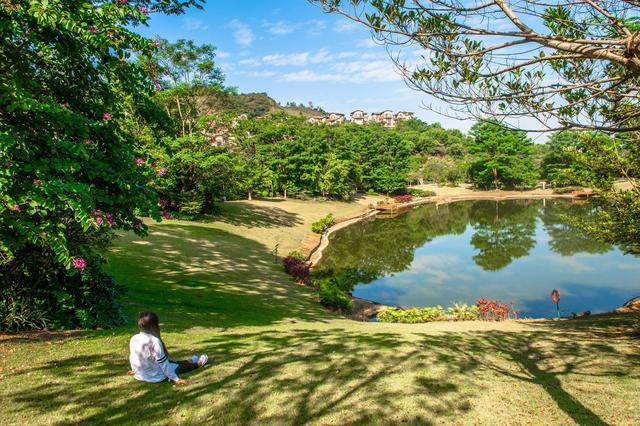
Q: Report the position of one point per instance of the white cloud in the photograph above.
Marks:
(192, 24)
(291, 59)
(288, 59)
(310, 76)
(367, 71)
(242, 33)
(278, 28)
(366, 42)
(344, 26)
(315, 27)
(354, 71)
(260, 74)
(221, 54)
(251, 62)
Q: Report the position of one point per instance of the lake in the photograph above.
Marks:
(514, 251)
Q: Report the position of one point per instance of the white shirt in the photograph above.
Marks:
(148, 360)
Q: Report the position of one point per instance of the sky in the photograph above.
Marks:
(294, 52)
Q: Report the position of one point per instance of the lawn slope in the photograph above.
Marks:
(277, 357)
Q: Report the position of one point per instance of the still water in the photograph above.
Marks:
(517, 250)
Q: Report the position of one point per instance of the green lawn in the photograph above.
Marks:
(277, 357)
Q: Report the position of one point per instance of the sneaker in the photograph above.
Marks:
(203, 360)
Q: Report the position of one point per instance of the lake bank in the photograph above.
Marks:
(565, 246)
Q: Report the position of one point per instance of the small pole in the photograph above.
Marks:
(275, 253)
(558, 308)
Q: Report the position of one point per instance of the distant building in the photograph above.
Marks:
(404, 115)
(385, 117)
(359, 117)
(335, 118)
(316, 120)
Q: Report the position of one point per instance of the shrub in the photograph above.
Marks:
(462, 312)
(86, 300)
(330, 295)
(567, 189)
(413, 315)
(323, 224)
(297, 254)
(403, 198)
(370, 191)
(298, 269)
(22, 314)
(421, 193)
(495, 310)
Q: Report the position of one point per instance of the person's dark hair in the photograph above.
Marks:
(149, 323)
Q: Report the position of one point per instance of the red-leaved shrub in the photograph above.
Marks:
(297, 268)
(403, 198)
(495, 310)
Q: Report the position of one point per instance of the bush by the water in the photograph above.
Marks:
(403, 198)
(297, 254)
(297, 268)
(332, 296)
(462, 312)
(495, 310)
(487, 310)
(413, 315)
(421, 192)
(323, 224)
(567, 189)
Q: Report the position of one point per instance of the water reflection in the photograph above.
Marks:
(511, 250)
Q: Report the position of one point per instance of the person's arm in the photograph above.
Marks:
(163, 361)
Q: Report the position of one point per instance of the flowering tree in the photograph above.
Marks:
(70, 171)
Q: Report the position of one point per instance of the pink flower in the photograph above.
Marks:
(99, 220)
(106, 116)
(88, 142)
(16, 208)
(155, 43)
(122, 62)
(162, 172)
(166, 215)
(93, 30)
(110, 220)
(137, 224)
(37, 182)
(79, 263)
(162, 203)
(139, 161)
(158, 88)
(144, 10)
(96, 212)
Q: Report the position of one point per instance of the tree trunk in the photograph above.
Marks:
(180, 113)
(249, 195)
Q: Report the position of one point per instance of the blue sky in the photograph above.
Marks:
(294, 52)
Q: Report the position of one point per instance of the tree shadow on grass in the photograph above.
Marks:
(196, 275)
(258, 216)
(298, 376)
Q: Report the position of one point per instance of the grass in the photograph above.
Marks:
(277, 357)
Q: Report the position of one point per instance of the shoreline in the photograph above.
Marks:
(363, 309)
(315, 254)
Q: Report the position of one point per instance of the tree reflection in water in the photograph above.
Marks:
(502, 232)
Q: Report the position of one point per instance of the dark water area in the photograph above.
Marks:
(514, 251)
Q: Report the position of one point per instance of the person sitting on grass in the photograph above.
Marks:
(148, 356)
